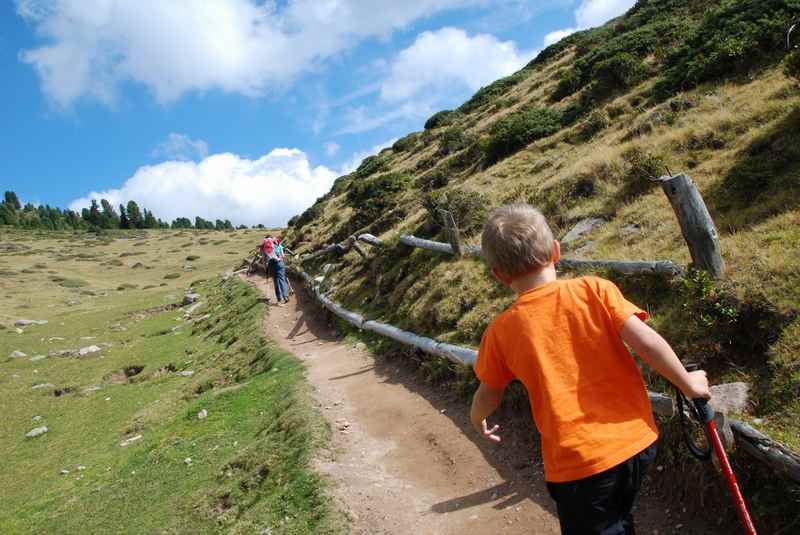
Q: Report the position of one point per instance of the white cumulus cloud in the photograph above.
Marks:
(591, 13)
(171, 47)
(268, 190)
(449, 59)
(181, 147)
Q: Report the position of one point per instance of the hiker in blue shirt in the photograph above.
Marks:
(279, 274)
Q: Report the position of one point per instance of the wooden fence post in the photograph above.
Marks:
(696, 224)
(452, 231)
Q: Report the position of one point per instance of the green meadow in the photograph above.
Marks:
(160, 418)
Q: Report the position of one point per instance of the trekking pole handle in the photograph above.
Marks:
(704, 410)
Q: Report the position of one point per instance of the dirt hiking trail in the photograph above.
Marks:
(403, 457)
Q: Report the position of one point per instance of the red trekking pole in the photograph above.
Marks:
(702, 411)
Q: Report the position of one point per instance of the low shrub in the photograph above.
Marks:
(493, 91)
(616, 74)
(405, 144)
(453, 140)
(791, 66)
(639, 169)
(434, 179)
(372, 165)
(597, 121)
(733, 38)
(440, 119)
(515, 131)
(469, 208)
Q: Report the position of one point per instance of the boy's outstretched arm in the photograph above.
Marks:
(658, 354)
(485, 402)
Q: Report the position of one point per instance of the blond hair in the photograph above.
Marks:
(517, 239)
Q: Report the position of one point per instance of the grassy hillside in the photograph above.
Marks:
(685, 85)
(241, 469)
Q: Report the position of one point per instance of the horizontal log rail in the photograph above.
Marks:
(756, 444)
(626, 267)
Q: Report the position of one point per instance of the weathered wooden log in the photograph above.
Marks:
(664, 267)
(352, 318)
(453, 233)
(458, 354)
(420, 243)
(371, 240)
(322, 252)
(662, 404)
(766, 450)
(696, 224)
(626, 267)
(427, 345)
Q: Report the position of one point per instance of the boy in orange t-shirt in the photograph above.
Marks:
(565, 341)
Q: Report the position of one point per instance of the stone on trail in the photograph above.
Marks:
(188, 299)
(730, 397)
(131, 440)
(583, 227)
(26, 323)
(17, 355)
(36, 431)
(84, 351)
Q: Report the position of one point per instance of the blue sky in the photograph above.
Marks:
(241, 109)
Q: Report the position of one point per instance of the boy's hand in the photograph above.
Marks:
(697, 386)
(489, 434)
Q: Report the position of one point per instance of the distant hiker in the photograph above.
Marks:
(279, 274)
(565, 341)
(267, 251)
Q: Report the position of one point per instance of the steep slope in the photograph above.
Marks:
(678, 85)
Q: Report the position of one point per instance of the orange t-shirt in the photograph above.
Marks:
(587, 395)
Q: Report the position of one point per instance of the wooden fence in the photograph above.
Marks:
(702, 239)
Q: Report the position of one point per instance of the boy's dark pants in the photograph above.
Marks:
(601, 504)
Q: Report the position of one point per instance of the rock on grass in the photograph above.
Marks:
(26, 323)
(36, 432)
(17, 355)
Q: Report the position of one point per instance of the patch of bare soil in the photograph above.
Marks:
(403, 456)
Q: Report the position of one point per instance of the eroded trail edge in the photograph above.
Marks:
(402, 458)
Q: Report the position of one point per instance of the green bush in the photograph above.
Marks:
(440, 119)
(372, 165)
(732, 39)
(640, 168)
(469, 208)
(372, 199)
(405, 144)
(434, 179)
(474, 154)
(596, 122)
(791, 66)
(616, 74)
(453, 140)
(493, 91)
(515, 131)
